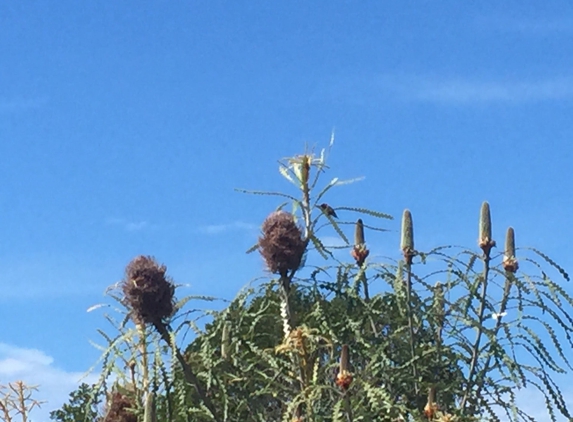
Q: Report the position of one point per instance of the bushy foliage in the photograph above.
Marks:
(82, 406)
(450, 334)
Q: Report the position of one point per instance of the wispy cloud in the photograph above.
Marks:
(127, 225)
(377, 89)
(51, 276)
(526, 26)
(21, 104)
(35, 367)
(222, 228)
(475, 91)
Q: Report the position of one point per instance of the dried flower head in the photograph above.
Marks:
(281, 244)
(119, 408)
(147, 291)
(359, 252)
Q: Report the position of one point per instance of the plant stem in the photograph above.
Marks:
(411, 324)
(476, 346)
(503, 306)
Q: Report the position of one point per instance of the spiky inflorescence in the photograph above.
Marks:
(359, 252)
(485, 238)
(147, 291)
(509, 261)
(119, 407)
(344, 376)
(431, 406)
(407, 237)
(281, 244)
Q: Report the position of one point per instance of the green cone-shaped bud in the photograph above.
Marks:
(359, 233)
(510, 263)
(484, 224)
(485, 240)
(407, 240)
(510, 243)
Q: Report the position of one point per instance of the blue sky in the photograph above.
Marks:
(125, 127)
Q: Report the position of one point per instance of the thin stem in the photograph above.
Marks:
(364, 281)
(502, 308)
(144, 363)
(348, 408)
(476, 346)
(411, 324)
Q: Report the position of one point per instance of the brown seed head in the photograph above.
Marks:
(281, 244)
(147, 292)
(119, 407)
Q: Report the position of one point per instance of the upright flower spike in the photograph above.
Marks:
(485, 238)
(439, 310)
(344, 376)
(147, 291)
(431, 406)
(226, 340)
(281, 244)
(509, 261)
(359, 252)
(407, 238)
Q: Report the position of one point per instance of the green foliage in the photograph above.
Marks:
(450, 334)
(82, 406)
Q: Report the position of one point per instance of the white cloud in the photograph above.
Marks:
(50, 276)
(474, 91)
(526, 26)
(221, 228)
(130, 226)
(34, 367)
(378, 89)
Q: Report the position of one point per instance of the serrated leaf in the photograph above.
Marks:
(367, 211)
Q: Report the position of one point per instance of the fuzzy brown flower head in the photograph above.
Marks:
(281, 244)
(118, 409)
(147, 291)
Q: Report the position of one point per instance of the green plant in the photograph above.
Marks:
(438, 340)
(82, 406)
